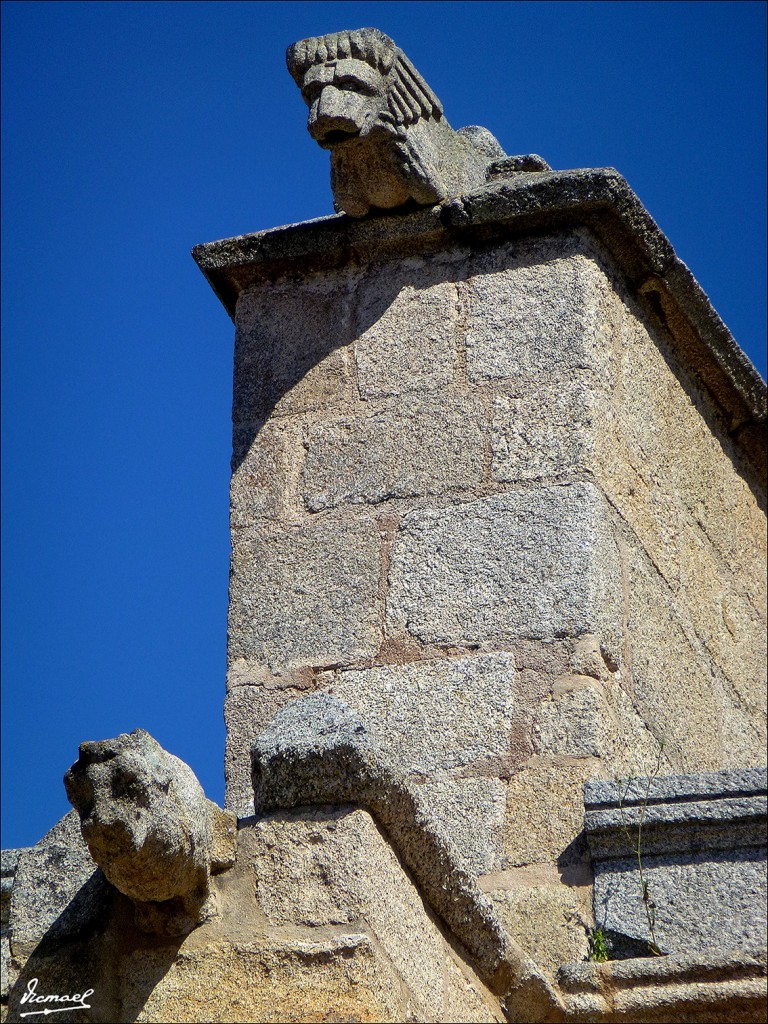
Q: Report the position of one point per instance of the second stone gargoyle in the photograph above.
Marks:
(385, 129)
(150, 828)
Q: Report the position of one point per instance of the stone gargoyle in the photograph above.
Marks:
(385, 129)
(150, 828)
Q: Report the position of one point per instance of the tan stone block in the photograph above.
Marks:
(423, 444)
(436, 715)
(318, 870)
(550, 922)
(676, 690)
(290, 353)
(650, 508)
(466, 998)
(730, 625)
(545, 808)
(407, 324)
(539, 563)
(293, 980)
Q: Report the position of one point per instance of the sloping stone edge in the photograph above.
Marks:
(315, 751)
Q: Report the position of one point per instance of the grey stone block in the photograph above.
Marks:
(538, 563)
(58, 892)
(307, 596)
(702, 847)
(533, 313)
(546, 432)
(407, 326)
(289, 348)
(417, 445)
(435, 715)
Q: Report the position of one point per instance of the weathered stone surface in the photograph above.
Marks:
(534, 313)
(675, 689)
(550, 922)
(319, 872)
(545, 432)
(533, 563)
(262, 464)
(722, 987)
(250, 703)
(577, 723)
(600, 199)
(545, 809)
(291, 979)
(58, 891)
(149, 827)
(407, 328)
(307, 596)
(383, 125)
(471, 812)
(289, 348)
(702, 844)
(412, 446)
(435, 715)
(317, 751)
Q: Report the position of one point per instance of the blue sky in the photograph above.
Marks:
(133, 131)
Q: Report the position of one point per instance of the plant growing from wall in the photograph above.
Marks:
(635, 840)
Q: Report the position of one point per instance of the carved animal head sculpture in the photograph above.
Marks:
(149, 827)
(384, 126)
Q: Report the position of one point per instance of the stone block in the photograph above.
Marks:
(728, 622)
(550, 922)
(263, 460)
(577, 723)
(676, 690)
(307, 596)
(318, 872)
(471, 812)
(538, 563)
(535, 312)
(290, 353)
(432, 716)
(247, 710)
(416, 445)
(280, 978)
(58, 892)
(546, 431)
(702, 843)
(545, 809)
(407, 327)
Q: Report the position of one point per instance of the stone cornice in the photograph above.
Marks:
(523, 203)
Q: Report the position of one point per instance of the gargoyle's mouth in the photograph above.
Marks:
(336, 136)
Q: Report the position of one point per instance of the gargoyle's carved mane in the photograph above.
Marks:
(409, 98)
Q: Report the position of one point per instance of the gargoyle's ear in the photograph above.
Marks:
(410, 98)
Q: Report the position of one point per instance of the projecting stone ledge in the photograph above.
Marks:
(702, 841)
(522, 203)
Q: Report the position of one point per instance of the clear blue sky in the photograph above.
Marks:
(133, 131)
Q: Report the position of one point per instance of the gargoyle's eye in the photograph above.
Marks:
(311, 92)
(354, 85)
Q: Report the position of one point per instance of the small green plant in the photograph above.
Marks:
(598, 946)
(636, 843)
